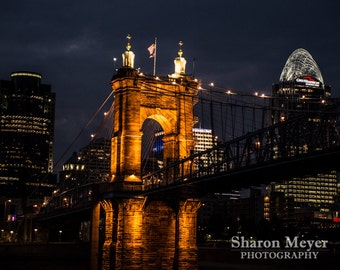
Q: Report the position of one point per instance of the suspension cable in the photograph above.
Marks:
(82, 130)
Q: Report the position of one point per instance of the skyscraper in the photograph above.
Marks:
(92, 164)
(203, 138)
(27, 111)
(301, 88)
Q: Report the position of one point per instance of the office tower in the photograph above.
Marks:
(203, 139)
(92, 164)
(27, 110)
(302, 89)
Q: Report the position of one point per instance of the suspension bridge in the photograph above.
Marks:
(144, 217)
(254, 145)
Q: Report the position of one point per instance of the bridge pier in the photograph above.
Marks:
(148, 234)
(95, 236)
(187, 224)
(129, 245)
(108, 248)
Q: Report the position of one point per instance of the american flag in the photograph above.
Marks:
(152, 50)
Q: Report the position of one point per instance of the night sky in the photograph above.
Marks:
(237, 44)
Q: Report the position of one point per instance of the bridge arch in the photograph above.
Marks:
(167, 100)
(165, 121)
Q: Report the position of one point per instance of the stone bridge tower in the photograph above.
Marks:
(137, 97)
(144, 231)
(132, 229)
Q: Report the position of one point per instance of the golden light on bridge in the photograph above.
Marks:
(258, 95)
(136, 227)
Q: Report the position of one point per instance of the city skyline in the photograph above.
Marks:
(235, 44)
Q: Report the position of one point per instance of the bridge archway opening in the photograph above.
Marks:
(152, 146)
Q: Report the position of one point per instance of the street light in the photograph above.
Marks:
(35, 235)
(60, 232)
(114, 63)
(5, 210)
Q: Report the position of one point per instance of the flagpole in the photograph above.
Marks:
(155, 57)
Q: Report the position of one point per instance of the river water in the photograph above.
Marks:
(76, 257)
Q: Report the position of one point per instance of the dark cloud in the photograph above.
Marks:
(237, 44)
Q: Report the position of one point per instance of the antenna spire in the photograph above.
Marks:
(180, 52)
(128, 45)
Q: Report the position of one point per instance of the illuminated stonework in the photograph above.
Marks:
(167, 100)
(146, 234)
(143, 232)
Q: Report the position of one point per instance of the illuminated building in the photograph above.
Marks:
(301, 88)
(278, 205)
(72, 173)
(92, 164)
(27, 109)
(203, 139)
(225, 214)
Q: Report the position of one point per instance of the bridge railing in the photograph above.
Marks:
(309, 133)
(71, 198)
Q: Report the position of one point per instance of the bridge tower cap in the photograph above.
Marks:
(128, 55)
(180, 63)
